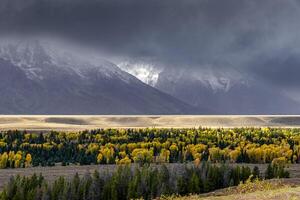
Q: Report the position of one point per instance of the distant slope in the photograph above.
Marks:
(37, 77)
(225, 93)
(217, 91)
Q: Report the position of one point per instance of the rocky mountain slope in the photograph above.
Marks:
(43, 77)
(226, 92)
(223, 92)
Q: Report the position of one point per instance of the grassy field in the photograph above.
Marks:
(77, 122)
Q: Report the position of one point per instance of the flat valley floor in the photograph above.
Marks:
(83, 122)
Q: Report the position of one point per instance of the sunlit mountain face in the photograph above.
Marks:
(146, 72)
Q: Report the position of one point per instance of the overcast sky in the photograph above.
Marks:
(258, 37)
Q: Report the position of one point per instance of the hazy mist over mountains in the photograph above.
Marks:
(37, 78)
(149, 57)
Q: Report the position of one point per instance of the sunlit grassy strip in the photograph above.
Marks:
(285, 192)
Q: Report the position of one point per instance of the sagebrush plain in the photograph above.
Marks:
(83, 122)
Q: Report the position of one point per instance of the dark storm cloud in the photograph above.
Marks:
(257, 37)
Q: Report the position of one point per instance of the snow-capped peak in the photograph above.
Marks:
(217, 80)
(145, 72)
(36, 55)
(208, 76)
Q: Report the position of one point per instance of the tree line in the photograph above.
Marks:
(150, 145)
(147, 182)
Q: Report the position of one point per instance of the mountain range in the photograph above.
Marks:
(221, 91)
(42, 76)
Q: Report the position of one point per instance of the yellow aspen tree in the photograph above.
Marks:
(164, 155)
(18, 158)
(11, 158)
(99, 158)
(3, 160)
(28, 160)
(124, 161)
